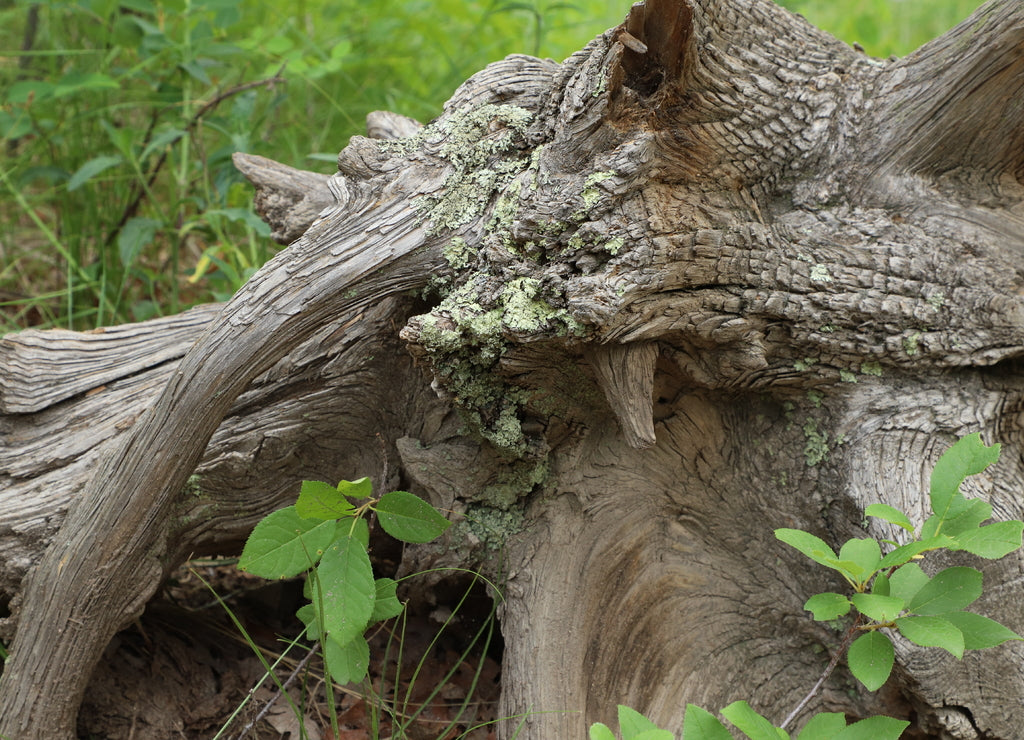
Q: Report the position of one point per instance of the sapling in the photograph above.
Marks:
(890, 593)
(325, 535)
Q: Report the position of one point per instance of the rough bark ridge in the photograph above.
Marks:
(791, 274)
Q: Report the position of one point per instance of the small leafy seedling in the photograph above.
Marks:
(325, 534)
(891, 593)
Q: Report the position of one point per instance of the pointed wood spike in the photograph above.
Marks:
(626, 374)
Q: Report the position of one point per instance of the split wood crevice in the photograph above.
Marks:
(790, 272)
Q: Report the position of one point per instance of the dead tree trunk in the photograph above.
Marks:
(788, 272)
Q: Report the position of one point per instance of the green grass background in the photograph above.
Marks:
(118, 201)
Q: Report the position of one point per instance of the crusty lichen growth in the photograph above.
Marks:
(871, 368)
(816, 447)
(458, 253)
(522, 230)
(514, 482)
(591, 194)
(489, 527)
(473, 142)
(466, 340)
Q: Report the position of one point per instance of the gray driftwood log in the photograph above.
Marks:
(714, 274)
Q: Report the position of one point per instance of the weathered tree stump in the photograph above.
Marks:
(714, 274)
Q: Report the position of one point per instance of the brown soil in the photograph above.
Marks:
(184, 669)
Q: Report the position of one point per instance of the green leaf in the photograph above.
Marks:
(362, 488)
(386, 603)
(932, 632)
(811, 546)
(307, 615)
(75, 82)
(347, 663)
(969, 516)
(349, 593)
(123, 138)
(881, 585)
(357, 528)
(135, 235)
(889, 514)
(14, 125)
(749, 722)
(700, 724)
(865, 553)
(90, 169)
(874, 728)
(949, 590)
(632, 723)
(827, 606)
(599, 731)
(980, 632)
(284, 544)
(878, 608)
(409, 518)
(249, 218)
(319, 500)
(968, 456)
(163, 140)
(907, 581)
(992, 541)
(870, 659)
(905, 553)
(23, 91)
(656, 734)
(823, 726)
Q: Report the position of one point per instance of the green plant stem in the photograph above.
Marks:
(410, 718)
(318, 592)
(836, 656)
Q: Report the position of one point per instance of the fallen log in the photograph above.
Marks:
(714, 274)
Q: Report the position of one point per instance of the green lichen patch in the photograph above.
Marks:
(536, 177)
(816, 446)
(473, 142)
(910, 344)
(514, 482)
(458, 253)
(474, 137)
(490, 527)
(468, 334)
(504, 213)
(871, 368)
(936, 299)
(590, 195)
(821, 274)
(194, 486)
(613, 245)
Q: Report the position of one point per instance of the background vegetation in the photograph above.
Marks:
(118, 118)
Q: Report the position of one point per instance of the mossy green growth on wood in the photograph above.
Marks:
(472, 142)
(489, 526)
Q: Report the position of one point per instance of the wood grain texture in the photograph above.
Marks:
(788, 271)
